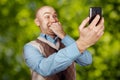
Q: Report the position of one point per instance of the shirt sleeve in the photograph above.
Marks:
(54, 63)
(85, 58)
(67, 40)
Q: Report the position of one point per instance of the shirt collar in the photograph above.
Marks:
(47, 37)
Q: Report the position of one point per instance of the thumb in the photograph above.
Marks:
(83, 24)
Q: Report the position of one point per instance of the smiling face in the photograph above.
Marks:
(45, 17)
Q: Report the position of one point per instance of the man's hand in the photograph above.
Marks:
(58, 30)
(91, 34)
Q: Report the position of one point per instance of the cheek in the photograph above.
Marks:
(44, 26)
(43, 23)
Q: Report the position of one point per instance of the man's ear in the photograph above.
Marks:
(37, 22)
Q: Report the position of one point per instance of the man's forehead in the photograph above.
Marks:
(45, 9)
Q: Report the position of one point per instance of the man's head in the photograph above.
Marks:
(45, 17)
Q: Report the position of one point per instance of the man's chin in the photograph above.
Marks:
(51, 33)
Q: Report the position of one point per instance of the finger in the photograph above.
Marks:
(84, 22)
(94, 22)
(100, 33)
(100, 25)
(53, 25)
(59, 23)
(99, 36)
(98, 28)
(56, 24)
(101, 21)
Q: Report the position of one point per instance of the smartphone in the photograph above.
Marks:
(93, 12)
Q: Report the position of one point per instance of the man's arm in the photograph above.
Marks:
(54, 63)
(88, 35)
(85, 58)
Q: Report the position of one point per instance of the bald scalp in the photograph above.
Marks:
(41, 9)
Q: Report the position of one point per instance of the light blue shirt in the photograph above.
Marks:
(58, 61)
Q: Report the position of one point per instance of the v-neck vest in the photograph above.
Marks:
(47, 48)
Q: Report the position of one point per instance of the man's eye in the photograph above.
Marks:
(47, 17)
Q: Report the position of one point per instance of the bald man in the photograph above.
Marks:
(52, 56)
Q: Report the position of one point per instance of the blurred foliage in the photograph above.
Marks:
(17, 28)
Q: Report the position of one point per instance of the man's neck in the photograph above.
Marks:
(52, 36)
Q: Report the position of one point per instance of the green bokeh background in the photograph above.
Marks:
(17, 27)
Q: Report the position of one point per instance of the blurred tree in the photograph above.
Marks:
(17, 28)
